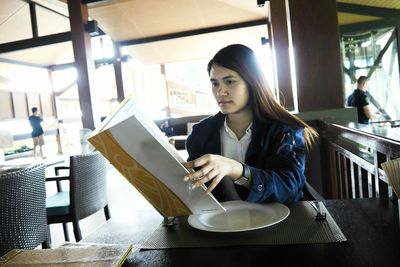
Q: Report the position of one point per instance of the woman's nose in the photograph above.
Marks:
(222, 91)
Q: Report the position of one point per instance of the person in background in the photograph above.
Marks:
(37, 132)
(166, 129)
(360, 100)
(253, 149)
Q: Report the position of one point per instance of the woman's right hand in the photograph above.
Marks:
(212, 167)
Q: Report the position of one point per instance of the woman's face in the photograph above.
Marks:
(230, 90)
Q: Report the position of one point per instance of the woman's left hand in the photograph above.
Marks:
(212, 167)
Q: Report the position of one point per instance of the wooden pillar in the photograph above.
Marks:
(280, 45)
(168, 107)
(118, 72)
(315, 37)
(55, 112)
(78, 18)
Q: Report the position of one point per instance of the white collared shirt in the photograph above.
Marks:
(231, 146)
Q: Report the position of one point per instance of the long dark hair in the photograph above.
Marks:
(242, 60)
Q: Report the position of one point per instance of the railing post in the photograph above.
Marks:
(353, 182)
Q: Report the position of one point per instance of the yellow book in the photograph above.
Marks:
(138, 149)
(69, 254)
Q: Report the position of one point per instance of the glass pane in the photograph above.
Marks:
(373, 54)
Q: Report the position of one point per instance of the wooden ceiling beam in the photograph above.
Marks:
(23, 63)
(367, 26)
(35, 42)
(45, 7)
(38, 41)
(194, 32)
(62, 66)
(382, 12)
(91, 1)
(65, 88)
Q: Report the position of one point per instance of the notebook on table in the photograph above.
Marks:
(69, 254)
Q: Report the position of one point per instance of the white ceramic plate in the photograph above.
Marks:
(240, 216)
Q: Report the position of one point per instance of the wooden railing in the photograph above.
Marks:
(351, 158)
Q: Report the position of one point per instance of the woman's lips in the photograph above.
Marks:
(224, 102)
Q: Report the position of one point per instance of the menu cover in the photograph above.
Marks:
(69, 254)
(138, 149)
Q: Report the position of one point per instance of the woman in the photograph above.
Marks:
(253, 149)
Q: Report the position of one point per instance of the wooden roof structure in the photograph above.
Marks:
(159, 31)
(54, 34)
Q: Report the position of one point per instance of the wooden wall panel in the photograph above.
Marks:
(20, 105)
(47, 105)
(33, 101)
(6, 106)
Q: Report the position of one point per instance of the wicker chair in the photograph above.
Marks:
(87, 195)
(23, 209)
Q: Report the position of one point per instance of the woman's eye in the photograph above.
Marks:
(229, 82)
(213, 84)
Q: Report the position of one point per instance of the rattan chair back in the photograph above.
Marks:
(88, 187)
(23, 222)
(88, 192)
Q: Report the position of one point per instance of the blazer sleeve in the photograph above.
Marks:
(281, 177)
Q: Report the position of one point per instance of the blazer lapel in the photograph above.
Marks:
(256, 143)
(213, 145)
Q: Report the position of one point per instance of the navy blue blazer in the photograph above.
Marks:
(276, 158)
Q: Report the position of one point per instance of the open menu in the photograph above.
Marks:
(69, 254)
(138, 149)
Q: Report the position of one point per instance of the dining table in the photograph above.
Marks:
(369, 228)
(20, 163)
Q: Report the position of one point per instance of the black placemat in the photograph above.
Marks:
(299, 228)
